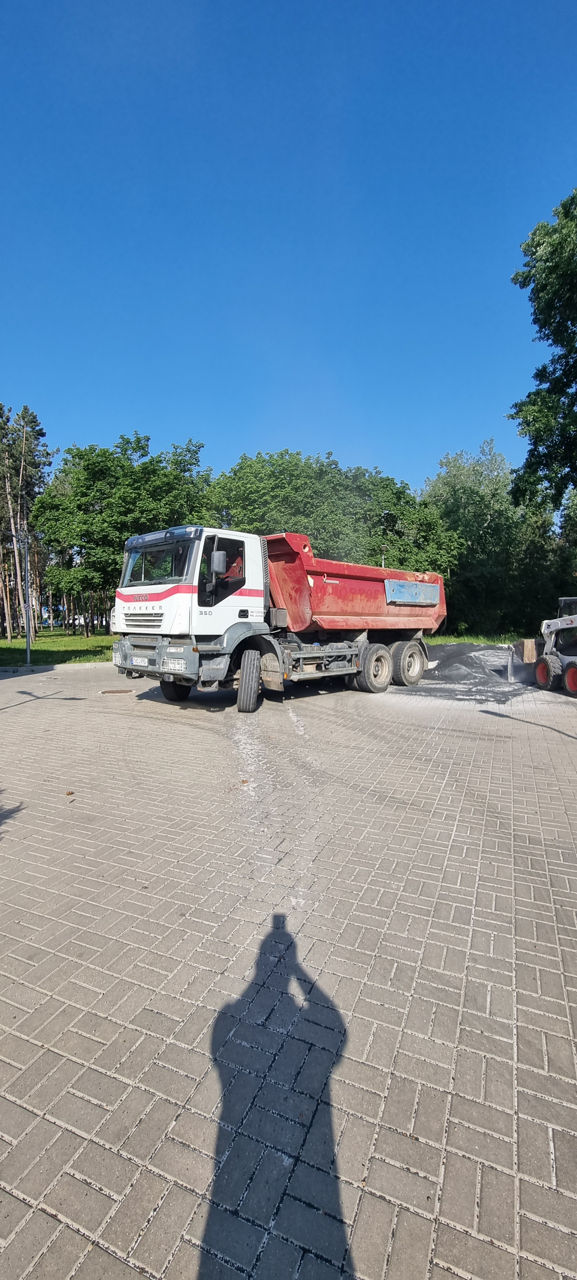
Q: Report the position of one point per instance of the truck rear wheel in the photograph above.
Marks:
(408, 662)
(570, 679)
(376, 669)
(174, 692)
(548, 671)
(249, 682)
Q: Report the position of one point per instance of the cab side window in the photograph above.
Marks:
(212, 591)
(567, 641)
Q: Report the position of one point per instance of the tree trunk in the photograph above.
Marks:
(5, 597)
(37, 590)
(14, 534)
(50, 609)
(30, 602)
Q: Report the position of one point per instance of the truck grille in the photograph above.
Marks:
(144, 621)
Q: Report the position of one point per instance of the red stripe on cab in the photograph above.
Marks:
(145, 596)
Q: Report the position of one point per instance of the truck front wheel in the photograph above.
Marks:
(376, 669)
(174, 692)
(408, 662)
(249, 682)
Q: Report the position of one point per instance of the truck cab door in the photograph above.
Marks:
(237, 593)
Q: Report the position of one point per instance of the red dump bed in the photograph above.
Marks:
(331, 595)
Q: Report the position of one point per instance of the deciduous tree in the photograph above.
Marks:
(548, 414)
(100, 496)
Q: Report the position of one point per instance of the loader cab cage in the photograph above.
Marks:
(566, 640)
(567, 606)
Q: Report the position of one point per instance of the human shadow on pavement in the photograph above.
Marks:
(275, 1201)
(7, 813)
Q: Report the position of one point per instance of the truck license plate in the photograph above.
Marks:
(140, 662)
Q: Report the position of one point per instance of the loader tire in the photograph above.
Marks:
(174, 692)
(249, 682)
(548, 671)
(570, 679)
(376, 669)
(408, 662)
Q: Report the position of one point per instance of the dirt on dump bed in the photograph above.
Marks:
(473, 673)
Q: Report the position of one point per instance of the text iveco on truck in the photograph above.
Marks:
(212, 608)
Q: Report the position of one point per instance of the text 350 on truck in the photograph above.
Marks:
(213, 608)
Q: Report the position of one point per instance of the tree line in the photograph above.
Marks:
(505, 541)
(504, 562)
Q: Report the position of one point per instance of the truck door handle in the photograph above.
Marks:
(243, 613)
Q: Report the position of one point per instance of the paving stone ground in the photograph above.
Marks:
(286, 995)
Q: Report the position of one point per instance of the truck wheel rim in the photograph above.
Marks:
(379, 670)
(542, 673)
(571, 679)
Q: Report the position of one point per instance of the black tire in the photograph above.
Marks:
(548, 671)
(174, 692)
(408, 662)
(570, 679)
(249, 683)
(376, 669)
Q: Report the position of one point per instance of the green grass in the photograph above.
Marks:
(510, 637)
(54, 647)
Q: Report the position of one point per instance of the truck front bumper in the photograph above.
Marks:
(157, 657)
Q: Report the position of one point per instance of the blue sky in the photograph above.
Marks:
(270, 223)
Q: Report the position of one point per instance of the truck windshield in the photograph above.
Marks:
(156, 564)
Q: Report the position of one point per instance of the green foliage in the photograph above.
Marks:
(504, 564)
(24, 459)
(501, 561)
(467, 637)
(548, 414)
(99, 497)
(508, 567)
(340, 509)
(568, 543)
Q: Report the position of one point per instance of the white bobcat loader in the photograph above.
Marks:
(557, 664)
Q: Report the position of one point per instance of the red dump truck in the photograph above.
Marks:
(212, 608)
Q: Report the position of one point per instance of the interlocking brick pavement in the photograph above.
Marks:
(288, 995)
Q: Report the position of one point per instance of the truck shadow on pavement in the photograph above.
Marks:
(223, 699)
(214, 702)
(275, 1200)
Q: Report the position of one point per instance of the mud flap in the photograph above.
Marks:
(271, 674)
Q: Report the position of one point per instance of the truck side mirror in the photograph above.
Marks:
(218, 563)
